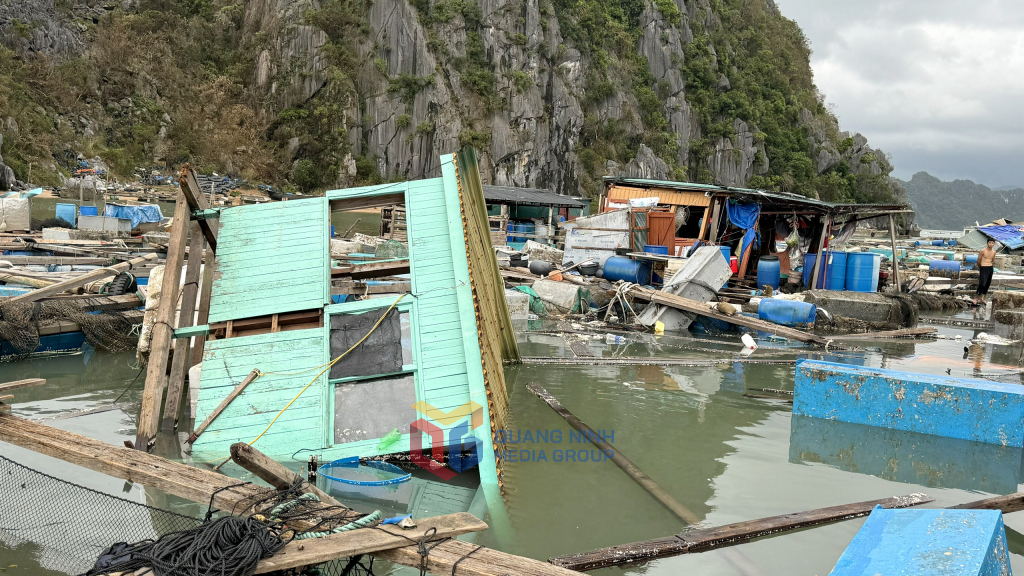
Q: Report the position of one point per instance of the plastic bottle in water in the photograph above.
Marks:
(614, 339)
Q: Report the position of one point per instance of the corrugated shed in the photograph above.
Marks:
(271, 258)
(282, 357)
(623, 194)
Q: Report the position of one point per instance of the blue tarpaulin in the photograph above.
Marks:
(744, 216)
(1008, 236)
(137, 214)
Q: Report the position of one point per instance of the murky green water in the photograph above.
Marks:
(726, 456)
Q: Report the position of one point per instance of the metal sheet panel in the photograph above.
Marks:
(271, 258)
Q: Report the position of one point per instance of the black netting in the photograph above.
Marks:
(380, 353)
(20, 322)
(72, 524)
(69, 526)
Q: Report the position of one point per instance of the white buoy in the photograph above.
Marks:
(748, 342)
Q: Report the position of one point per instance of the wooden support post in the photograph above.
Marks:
(163, 331)
(186, 318)
(713, 238)
(826, 224)
(274, 473)
(634, 472)
(54, 289)
(205, 293)
(895, 259)
(195, 200)
(730, 534)
(223, 405)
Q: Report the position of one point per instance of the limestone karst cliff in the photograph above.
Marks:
(325, 93)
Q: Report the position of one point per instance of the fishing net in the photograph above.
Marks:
(20, 323)
(392, 249)
(68, 526)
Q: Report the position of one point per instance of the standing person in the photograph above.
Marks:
(986, 263)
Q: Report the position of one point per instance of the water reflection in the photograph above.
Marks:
(907, 457)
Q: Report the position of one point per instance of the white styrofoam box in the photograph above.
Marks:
(518, 304)
(106, 223)
(15, 214)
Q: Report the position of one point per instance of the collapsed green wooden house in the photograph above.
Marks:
(339, 380)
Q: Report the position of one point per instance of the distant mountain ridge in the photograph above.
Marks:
(960, 203)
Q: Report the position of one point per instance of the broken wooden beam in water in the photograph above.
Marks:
(54, 289)
(717, 537)
(904, 333)
(634, 471)
(646, 361)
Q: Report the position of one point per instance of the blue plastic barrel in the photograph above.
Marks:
(528, 228)
(510, 229)
(66, 212)
(809, 260)
(621, 268)
(332, 230)
(943, 267)
(655, 249)
(768, 272)
(971, 259)
(787, 312)
(726, 251)
(88, 211)
(951, 242)
(862, 271)
(836, 271)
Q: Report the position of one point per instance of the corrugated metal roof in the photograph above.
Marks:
(1009, 236)
(974, 240)
(750, 194)
(528, 196)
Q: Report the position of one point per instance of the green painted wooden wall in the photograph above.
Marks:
(271, 258)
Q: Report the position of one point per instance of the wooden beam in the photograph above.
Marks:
(372, 270)
(226, 493)
(826, 223)
(364, 202)
(186, 317)
(163, 331)
(193, 194)
(19, 384)
(23, 280)
(56, 260)
(895, 259)
(634, 471)
(696, 307)
(395, 288)
(271, 471)
(82, 280)
(205, 293)
(298, 553)
(904, 333)
(223, 405)
(728, 535)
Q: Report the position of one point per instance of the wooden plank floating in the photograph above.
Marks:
(638, 475)
(202, 485)
(646, 361)
(728, 535)
(273, 472)
(82, 280)
(19, 384)
(904, 333)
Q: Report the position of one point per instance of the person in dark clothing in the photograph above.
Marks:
(986, 266)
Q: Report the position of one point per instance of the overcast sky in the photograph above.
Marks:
(939, 84)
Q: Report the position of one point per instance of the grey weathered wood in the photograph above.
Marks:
(186, 317)
(634, 471)
(728, 535)
(367, 202)
(23, 280)
(205, 293)
(826, 224)
(163, 331)
(273, 472)
(56, 260)
(193, 193)
(365, 541)
(82, 280)
(223, 405)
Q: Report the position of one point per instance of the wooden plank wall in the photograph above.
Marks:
(270, 260)
(279, 355)
(494, 325)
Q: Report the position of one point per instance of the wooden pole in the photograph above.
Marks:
(826, 223)
(159, 350)
(195, 200)
(274, 473)
(634, 472)
(714, 220)
(730, 534)
(186, 317)
(350, 228)
(223, 405)
(70, 284)
(895, 260)
(205, 293)
(81, 190)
